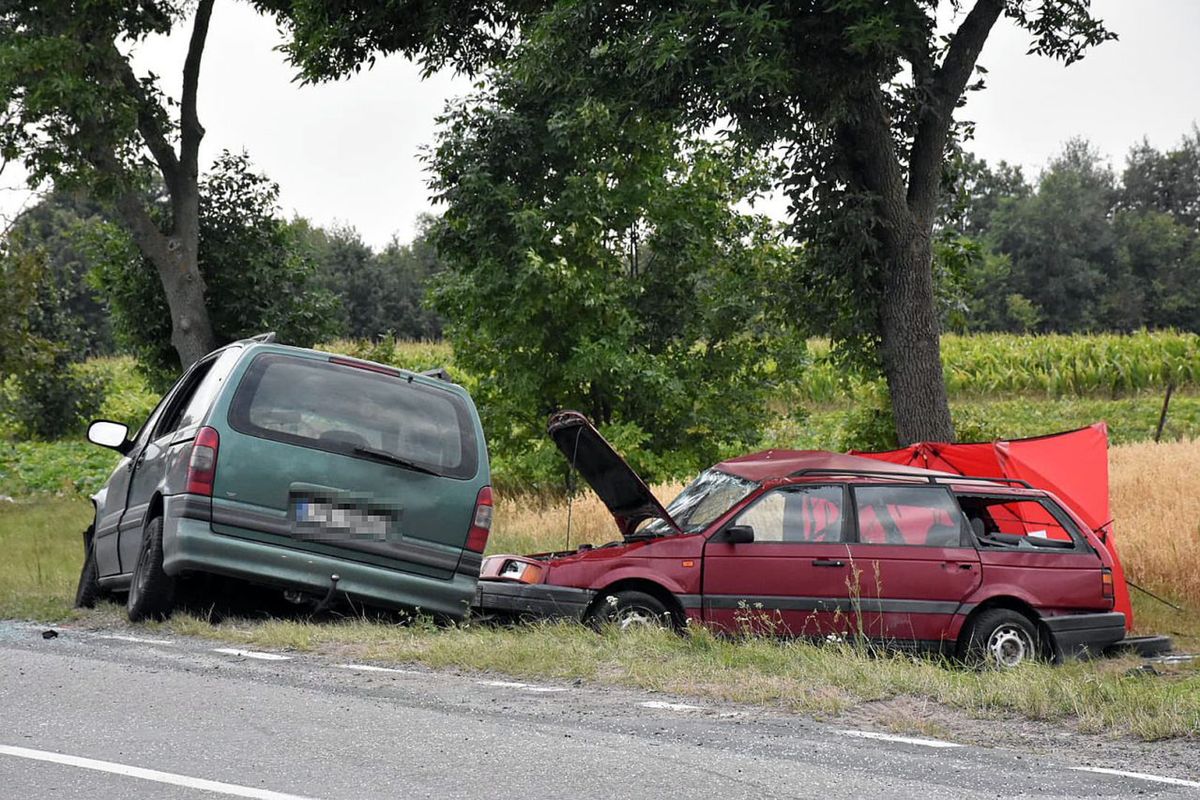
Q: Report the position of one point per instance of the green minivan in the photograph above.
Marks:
(326, 476)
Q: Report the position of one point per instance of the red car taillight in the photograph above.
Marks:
(1106, 584)
(481, 522)
(202, 468)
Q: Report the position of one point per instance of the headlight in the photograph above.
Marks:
(521, 571)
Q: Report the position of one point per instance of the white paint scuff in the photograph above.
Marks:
(664, 705)
(887, 737)
(232, 651)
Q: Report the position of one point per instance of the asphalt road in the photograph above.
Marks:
(82, 715)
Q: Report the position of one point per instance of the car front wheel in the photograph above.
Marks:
(152, 590)
(88, 591)
(632, 609)
(1002, 639)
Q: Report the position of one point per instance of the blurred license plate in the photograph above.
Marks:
(321, 519)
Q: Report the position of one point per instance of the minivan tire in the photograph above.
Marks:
(629, 609)
(152, 590)
(88, 591)
(1001, 638)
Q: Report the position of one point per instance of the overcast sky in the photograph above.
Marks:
(347, 152)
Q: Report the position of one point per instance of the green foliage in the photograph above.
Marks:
(1079, 250)
(379, 294)
(52, 399)
(258, 274)
(70, 466)
(52, 228)
(601, 267)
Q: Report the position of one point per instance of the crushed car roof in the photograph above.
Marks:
(774, 464)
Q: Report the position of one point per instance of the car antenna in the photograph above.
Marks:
(570, 486)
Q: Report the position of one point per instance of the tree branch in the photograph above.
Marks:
(148, 124)
(191, 132)
(946, 87)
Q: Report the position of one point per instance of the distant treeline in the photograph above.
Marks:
(365, 293)
(1081, 248)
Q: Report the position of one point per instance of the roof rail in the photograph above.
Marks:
(879, 473)
(269, 336)
(441, 373)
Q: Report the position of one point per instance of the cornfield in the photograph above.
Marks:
(985, 365)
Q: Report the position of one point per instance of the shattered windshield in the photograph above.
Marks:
(709, 496)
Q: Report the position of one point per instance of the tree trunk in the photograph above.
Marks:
(911, 345)
(176, 258)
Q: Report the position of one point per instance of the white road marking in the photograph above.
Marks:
(504, 684)
(1142, 776)
(137, 639)
(232, 651)
(147, 774)
(887, 737)
(662, 704)
(372, 668)
(527, 687)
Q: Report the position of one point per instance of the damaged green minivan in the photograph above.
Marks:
(325, 476)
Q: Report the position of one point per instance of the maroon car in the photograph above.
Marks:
(809, 543)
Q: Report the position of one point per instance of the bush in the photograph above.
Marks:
(52, 399)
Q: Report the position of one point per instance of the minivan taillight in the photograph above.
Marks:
(1106, 584)
(202, 468)
(481, 522)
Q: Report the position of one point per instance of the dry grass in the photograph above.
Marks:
(1155, 491)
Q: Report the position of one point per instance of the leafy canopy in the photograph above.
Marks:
(596, 262)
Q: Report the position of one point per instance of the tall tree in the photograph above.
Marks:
(859, 94)
(75, 111)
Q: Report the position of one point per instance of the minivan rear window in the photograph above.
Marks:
(344, 409)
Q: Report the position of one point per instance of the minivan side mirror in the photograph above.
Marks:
(109, 434)
(738, 534)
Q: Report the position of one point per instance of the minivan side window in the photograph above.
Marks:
(189, 408)
(797, 514)
(908, 515)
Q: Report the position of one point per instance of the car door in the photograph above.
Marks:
(914, 563)
(111, 502)
(184, 411)
(792, 578)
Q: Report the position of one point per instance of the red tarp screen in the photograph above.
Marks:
(1072, 465)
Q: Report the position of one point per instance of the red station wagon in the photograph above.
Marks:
(817, 544)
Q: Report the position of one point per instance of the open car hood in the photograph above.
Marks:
(627, 496)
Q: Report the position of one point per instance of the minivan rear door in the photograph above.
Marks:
(350, 459)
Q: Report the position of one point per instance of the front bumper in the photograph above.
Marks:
(532, 600)
(1084, 635)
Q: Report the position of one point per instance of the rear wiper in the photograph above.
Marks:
(381, 455)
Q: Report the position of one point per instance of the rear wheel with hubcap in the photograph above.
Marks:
(1001, 638)
(152, 590)
(632, 609)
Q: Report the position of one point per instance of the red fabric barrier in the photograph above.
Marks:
(1073, 465)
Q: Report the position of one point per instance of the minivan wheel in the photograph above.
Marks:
(1002, 639)
(152, 590)
(88, 591)
(631, 609)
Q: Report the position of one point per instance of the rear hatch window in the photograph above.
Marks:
(356, 412)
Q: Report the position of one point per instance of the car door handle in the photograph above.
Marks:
(828, 562)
